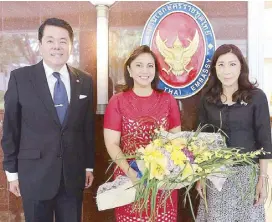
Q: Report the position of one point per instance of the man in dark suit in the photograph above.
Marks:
(48, 131)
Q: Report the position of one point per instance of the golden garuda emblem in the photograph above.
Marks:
(177, 57)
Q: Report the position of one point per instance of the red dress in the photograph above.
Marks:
(136, 118)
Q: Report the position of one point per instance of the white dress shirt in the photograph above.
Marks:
(51, 80)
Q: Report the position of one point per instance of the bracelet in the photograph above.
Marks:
(139, 174)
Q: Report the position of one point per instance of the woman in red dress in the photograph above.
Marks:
(130, 120)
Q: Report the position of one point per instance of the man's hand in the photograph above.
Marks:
(14, 188)
(89, 179)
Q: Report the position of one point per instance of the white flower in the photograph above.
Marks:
(243, 103)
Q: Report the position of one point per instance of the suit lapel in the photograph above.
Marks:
(41, 86)
(75, 82)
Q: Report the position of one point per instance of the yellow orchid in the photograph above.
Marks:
(158, 169)
(199, 159)
(227, 156)
(207, 154)
(204, 156)
(197, 148)
(218, 154)
(169, 147)
(180, 142)
(178, 157)
(198, 169)
(193, 147)
(158, 143)
(188, 171)
(151, 155)
(145, 150)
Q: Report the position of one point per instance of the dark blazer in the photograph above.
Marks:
(34, 142)
(247, 125)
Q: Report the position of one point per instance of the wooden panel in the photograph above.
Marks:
(101, 164)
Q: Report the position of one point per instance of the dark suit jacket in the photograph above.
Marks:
(36, 145)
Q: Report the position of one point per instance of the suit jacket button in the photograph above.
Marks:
(59, 156)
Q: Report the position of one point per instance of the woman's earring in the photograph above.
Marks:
(128, 71)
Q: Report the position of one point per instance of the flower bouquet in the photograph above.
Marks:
(172, 161)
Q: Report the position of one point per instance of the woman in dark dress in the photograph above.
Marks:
(235, 105)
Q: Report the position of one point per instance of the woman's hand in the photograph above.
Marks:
(199, 187)
(261, 193)
(132, 174)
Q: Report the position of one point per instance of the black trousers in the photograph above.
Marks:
(62, 208)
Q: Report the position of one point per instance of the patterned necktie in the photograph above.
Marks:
(60, 97)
